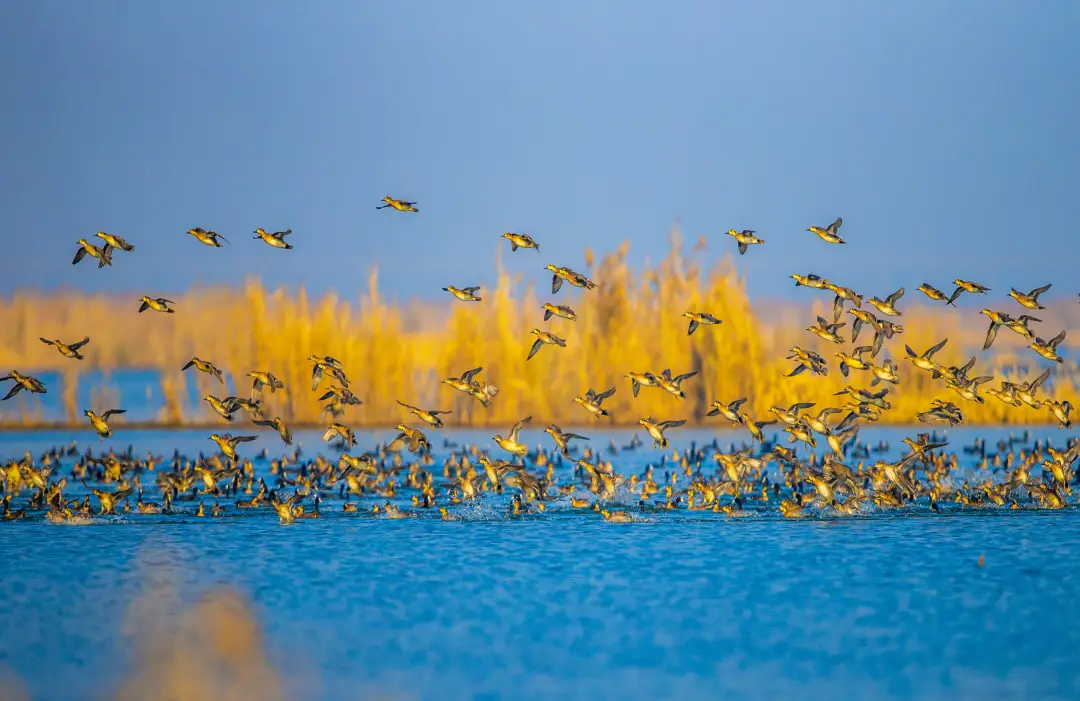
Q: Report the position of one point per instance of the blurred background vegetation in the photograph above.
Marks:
(392, 351)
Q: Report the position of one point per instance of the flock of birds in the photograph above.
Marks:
(747, 479)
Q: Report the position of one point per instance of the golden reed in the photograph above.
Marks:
(631, 322)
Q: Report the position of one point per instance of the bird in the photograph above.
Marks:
(342, 431)
(729, 411)
(656, 429)
(101, 423)
(642, 379)
(932, 292)
(278, 425)
(68, 350)
(228, 442)
(223, 407)
(1048, 349)
(429, 417)
(23, 382)
(542, 338)
(826, 331)
(276, 239)
(810, 280)
(103, 254)
(210, 238)
(1031, 299)
(511, 443)
(562, 311)
(399, 205)
(465, 294)
(158, 304)
(591, 402)
(262, 379)
(745, 238)
(574, 278)
(673, 385)
(829, 233)
(887, 305)
(562, 440)
(699, 318)
(521, 241)
(204, 366)
(925, 361)
(115, 242)
(966, 286)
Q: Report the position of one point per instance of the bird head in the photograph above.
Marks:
(535, 332)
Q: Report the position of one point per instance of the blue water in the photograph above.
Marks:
(681, 605)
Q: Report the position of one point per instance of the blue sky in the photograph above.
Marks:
(945, 134)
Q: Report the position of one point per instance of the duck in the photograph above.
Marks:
(790, 416)
(107, 501)
(561, 310)
(642, 379)
(932, 292)
(158, 304)
(399, 205)
(511, 443)
(278, 425)
(673, 385)
(745, 238)
(68, 350)
(925, 360)
(854, 361)
(810, 280)
(1048, 349)
(829, 233)
(342, 431)
(591, 402)
(101, 423)
(115, 242)
(576, 279)
(223, 407)
(562, 440)
(699, 319)
(429, 417)
(616, 516)
(1060, 411)
(276, 239)
(228, 442)
(656, 429)
(966, 286)
(729, 411)
(826, 331)
(204, 366)
(521, 241)
(262, 379)
(446, 515)
(103, 254)
(807, 360)
(887, 306)
(1031, 299)
(465, 294)
(542, 338)
(210, 238)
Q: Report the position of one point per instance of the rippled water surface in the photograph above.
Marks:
(686, 605)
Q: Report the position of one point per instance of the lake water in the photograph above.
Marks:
(680, 605)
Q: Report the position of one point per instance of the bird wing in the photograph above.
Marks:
(672, 424)
(48, 342)
(79, 255)
(535, 347)
(693, 327)
(556, 283)
(517, 428)
(471, 290)
(410, 407)
(936, 347)
(468, 375)
(189, 364)
(685, 376)
(742, 248)
(605, 395)
(1039, 290)
(895, 297)
(991, 334)
(110, 412)
(80, 344)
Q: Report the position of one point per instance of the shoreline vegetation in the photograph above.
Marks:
(402, 351)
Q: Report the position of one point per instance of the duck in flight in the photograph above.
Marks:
(465, 294)
(1031, 299)
(276, 239)
(521, 241)
(699, 319)
(23, 382)
(829, 233)
(399, 205)
(205, 366)
(68, 350)
(966, 286)
(210, 238)
(103, 254)
(745, 238)
(158, 304)
(115, 242)
(544, 338)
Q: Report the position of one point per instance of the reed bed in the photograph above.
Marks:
(393, 351)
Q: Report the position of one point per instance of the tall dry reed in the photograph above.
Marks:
(632, 321)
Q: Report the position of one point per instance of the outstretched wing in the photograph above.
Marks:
(895, 297)
(79, 255)
(80, 344)
(535, 347)
(110, 412)
(517, 428)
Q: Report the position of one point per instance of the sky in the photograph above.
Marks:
(943, 132)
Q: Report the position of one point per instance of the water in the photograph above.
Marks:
(683, 605)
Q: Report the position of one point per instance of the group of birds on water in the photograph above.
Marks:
(746, 480)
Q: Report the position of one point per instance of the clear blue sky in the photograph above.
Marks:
(945, 134)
